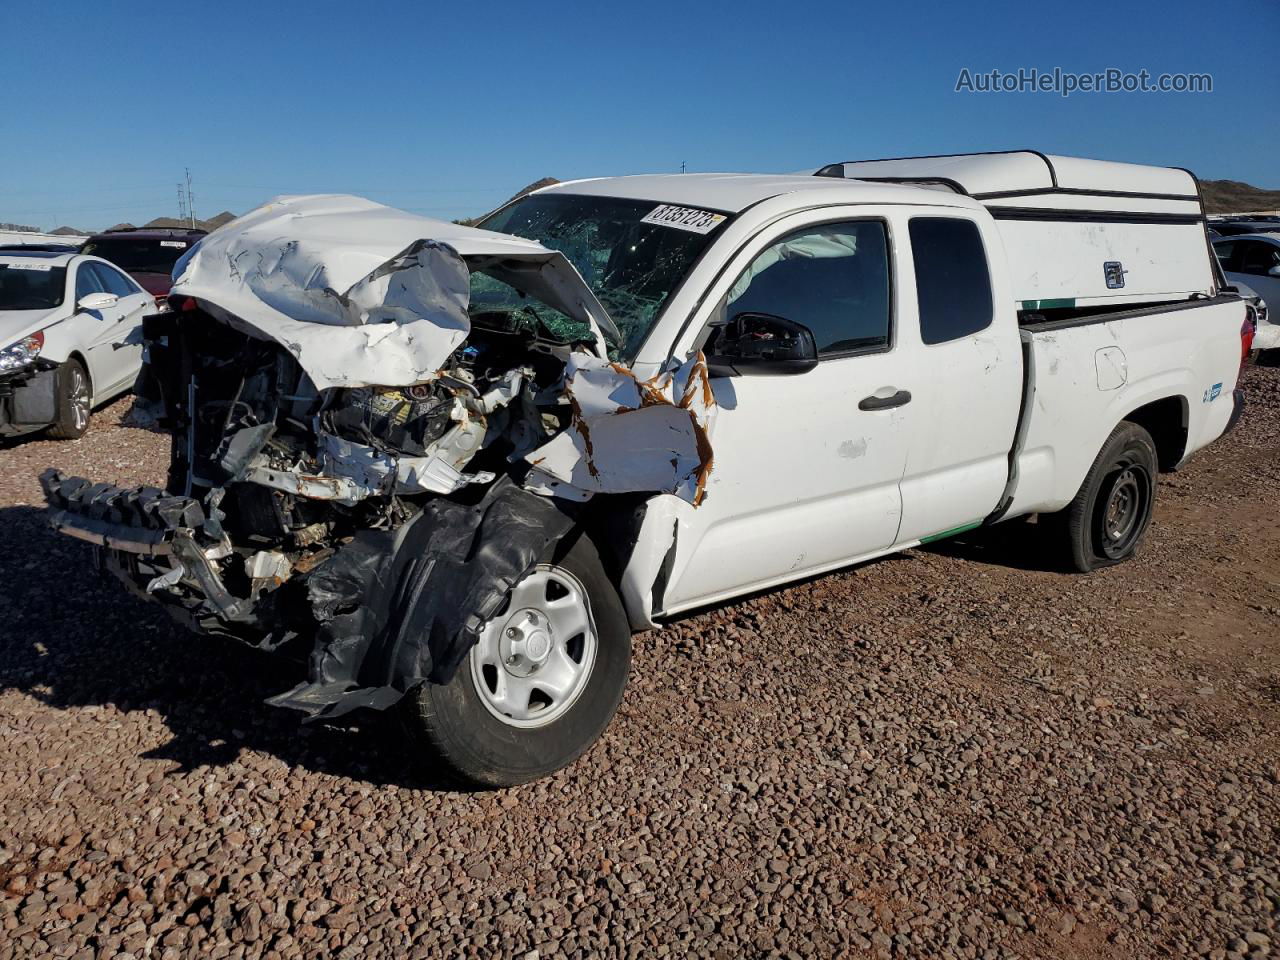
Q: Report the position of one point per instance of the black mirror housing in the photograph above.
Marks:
(761, 344)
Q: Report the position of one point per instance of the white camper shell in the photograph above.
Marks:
(1078, 233)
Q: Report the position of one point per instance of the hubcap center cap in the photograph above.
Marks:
(526, 644)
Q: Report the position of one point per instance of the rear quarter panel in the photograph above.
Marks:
(1090, 376)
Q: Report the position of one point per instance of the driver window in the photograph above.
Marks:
(832, 278)
(87, 281)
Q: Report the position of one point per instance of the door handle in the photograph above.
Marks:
(885, 403)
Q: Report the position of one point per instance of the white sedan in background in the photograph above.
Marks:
(1252, 261)
(70, 338)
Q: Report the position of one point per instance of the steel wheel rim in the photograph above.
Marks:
(1124, 511)
(79, 395)
(533, 660)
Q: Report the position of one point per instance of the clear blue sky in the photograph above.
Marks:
(448, 108)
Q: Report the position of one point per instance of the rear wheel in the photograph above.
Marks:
(540, 685)
(75, 401)
(1110, 514)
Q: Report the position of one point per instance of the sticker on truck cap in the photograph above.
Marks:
(180, 244)
(27, 265)
(684, 218)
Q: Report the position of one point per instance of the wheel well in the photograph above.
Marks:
(84, 362)
(1166, 421)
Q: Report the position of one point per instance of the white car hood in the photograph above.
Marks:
(360, 293)
(16, 324)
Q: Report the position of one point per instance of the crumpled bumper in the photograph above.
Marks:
(383, 612)
(164, 538)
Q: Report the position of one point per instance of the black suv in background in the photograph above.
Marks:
(145, 253)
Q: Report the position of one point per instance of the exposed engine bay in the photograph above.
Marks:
(373, 527)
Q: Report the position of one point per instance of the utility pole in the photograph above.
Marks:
(682, 166)
(182, 203)
(191, 203)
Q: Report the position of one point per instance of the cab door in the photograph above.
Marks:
(807, 466)
(968, 404)
(103, 331)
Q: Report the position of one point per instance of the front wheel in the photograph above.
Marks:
(75, 401)
(541, 683)
(1110, 514)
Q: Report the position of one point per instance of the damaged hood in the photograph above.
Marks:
(363, 294)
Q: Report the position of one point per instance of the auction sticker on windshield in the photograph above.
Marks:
(27, 265)
(684, 218)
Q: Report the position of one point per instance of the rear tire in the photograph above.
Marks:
(462, 724)
(75, 401)
(1105, 523)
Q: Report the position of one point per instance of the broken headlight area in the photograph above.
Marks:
(374, 527)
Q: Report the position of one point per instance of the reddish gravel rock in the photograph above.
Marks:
(952, 752)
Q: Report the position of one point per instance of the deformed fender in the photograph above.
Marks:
(401, 608)
(645, 575)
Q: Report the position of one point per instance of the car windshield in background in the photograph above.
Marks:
(31, 286)
(133, 255)
(631, 265)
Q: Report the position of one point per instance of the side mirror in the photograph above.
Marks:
(97, 301)
(761, 344)
(1274, 271)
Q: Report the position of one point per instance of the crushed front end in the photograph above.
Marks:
(371, 529)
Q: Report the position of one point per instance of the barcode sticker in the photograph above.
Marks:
(684, 218)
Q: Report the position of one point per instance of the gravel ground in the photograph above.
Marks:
(952, 752)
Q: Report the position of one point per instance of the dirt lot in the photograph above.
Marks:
(952, 752)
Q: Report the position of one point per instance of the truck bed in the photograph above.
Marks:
(1084, 374)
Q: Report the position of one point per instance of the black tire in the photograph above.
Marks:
(476, 747)
(1105, 523)
(75, 401)
(1268, 358)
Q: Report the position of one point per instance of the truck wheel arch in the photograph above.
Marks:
(1166, 420)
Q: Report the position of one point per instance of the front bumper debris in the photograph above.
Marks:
(148, 523)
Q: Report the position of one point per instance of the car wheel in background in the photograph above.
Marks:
(75, 401)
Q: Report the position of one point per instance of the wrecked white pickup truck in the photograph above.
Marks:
(456, 468)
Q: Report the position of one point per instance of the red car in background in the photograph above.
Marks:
(147, 253)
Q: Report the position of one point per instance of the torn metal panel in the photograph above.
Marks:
(643, 577)
(363, 294)
(629, 435)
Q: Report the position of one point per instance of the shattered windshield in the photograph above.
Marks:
(630, 265)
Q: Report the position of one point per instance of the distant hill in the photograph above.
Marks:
(173, 223)
(1232, 196)
(70, 232)
(536, 185)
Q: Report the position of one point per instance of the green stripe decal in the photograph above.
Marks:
(1048, 304)
(950, 533)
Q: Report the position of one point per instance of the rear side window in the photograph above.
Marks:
(1226, 251)
(953, 285)
(114, 281)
